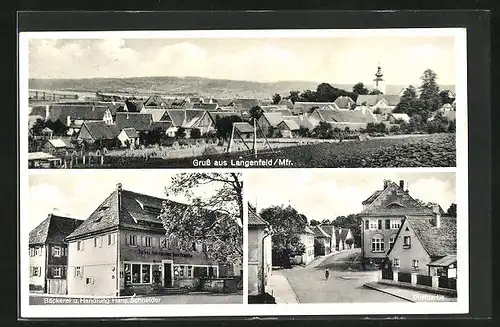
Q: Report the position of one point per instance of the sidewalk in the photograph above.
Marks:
(279, 287)
(410, 294)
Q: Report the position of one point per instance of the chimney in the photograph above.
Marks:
(119, 193)
(437, 215)
(402, 184)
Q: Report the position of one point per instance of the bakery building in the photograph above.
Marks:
(122, 249)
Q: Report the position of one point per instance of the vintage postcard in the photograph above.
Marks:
(242, 99)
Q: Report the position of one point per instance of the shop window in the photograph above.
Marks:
(146, 274)
(127, 273)
(136, 274)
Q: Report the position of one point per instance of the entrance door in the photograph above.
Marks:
(167, 271)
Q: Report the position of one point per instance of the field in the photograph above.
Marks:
(436, 150)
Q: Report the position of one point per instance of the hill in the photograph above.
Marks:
(166, 85)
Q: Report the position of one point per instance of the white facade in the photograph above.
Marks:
(38, 258)
(308, 241)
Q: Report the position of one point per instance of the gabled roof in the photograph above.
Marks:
(445, 261)
(38, 111)
(134, 105)
(284, 112)
(341, 234)
(247, 104)
(176, 116)
(286, 102)
(308, 230)
(53, 229)
(274, 118)
(224, 102)
(136, 209)
(403, 117)
(302, 121)
(57, 143)
(156, 114)
(193, 117)
(381, 203)
(206, 106)
(319, 232)
(131, 132)
(243, 127)
(221, 114)
(40, 156)
(139, 121)
(254, 219)
(346, 116)
(87, 111)
(155, 101)
(290, 124)
(305, 107)
(369, 100)
(344, 102)
(437, 241)
(391, 99)
(99, 130)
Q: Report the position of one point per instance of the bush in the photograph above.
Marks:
(452, 127)
(210, 150)
(304, 131)
(195, 133)
(180, 133)
(394, 129)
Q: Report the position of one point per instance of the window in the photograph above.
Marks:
(95, 242)
(396, 262)
(78, 271)
(387, 224)
(414, 264)
(367, 224)
(32, 252)
(56, 271)
(35, 271)
(391, 240)
(148, 241)
(101, 241)
(137, 273)
(380, 224)
(406, 242)
(194, 246)
(132, 239)
(373, 224)
(89, 280)
(38, 251)
(65, 251)
(190, 271)
(111, 239)
(395, 224)
(56, 251)
(79, 246)
(146, 274)
(378, 243)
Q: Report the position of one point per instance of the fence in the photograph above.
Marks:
(446, 282)
(424, 280)
(404, 277)
(387, 274)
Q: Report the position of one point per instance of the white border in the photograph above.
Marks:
(193, 310)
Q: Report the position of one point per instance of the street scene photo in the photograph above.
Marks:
(134, 237)
(351, 237)
(245, 101)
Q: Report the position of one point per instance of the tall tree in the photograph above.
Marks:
(308, 96)
(452, 210)
(375, 92)
(224, 125)
(294, 96)
(352, 222)
(444, 97)
(215, 220)
(287, 224)
(429, 91)
(276, 98)
(359, 89)
(409, 103)
(326, 222)
(314, 222)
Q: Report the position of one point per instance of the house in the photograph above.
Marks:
(74, 114)
(302, 121)
(224, 102)
(288, 128)
(122, 249)
(305, 108)
(56, 147)
(48, 254)
(345, 102)
(322, 241)
(154, 102)
(344, 239)
(98, 132)
(446, 107)
(342, 118)
(383, 214)
(129, 137)
(156, 114)
(259, 253)
(245, 104)
(396, 118)
(141, 122)
(306, 238)
(190, 119)
(426, 245)
(43, 160)
(269, 121)
(286, 103)
(206, 106)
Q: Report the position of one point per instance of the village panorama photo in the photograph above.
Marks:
(371, 237)
(132, 237)
(241, 99)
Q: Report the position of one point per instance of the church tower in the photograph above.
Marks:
(379, 81)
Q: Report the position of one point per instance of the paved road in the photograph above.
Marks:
(344, 285)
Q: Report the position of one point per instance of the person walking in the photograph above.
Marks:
(327, 273)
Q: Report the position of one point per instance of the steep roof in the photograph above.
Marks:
(57, 143)
(134, 105)
(139, 121)
(304, 107)
(392, 99)
(308, 230)
(290, 124)
(176, 116)
(99, 130)
(221, 114)
(286, 102)
(224, 102)
(437, 241)
(302, 121)
(284, 112)
(270, 108)
(243, 127)
(254, 219)
(206, 106)
(155, 101)
(53, 229)
(156, 114)
(86, 111)
(347, 116)
(341, 234)
(246, 103)
(403, 117)
(193, 117)
(367, 99)
(393, 200)
(319, 232)
(344, 102)
(274, 118)
(131, 132)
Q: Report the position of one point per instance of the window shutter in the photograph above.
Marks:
(126, 239)
(387, 224)
(367, 224)
(380, 224)
(83, 242)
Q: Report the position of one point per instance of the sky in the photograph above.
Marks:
(78, 193)
(336, 60)
(326, 194)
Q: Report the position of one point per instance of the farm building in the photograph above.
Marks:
(288, 128)
(224, 102)
(189, 119)
(269, 121)
(342, 118)
(155, 102)
(304, 108)
(48, 254)
(133, 106)
(381, 103)
(43, 160)
(56, 147)
(129, 136)
(395, 118)
(206, 106)
(140, 121)
(322, 239)
(98, 132)
(74, 114)
(286, 103)
(345, 102)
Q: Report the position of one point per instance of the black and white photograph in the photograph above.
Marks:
(366, 237)
(242, 99)
(134, 238)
